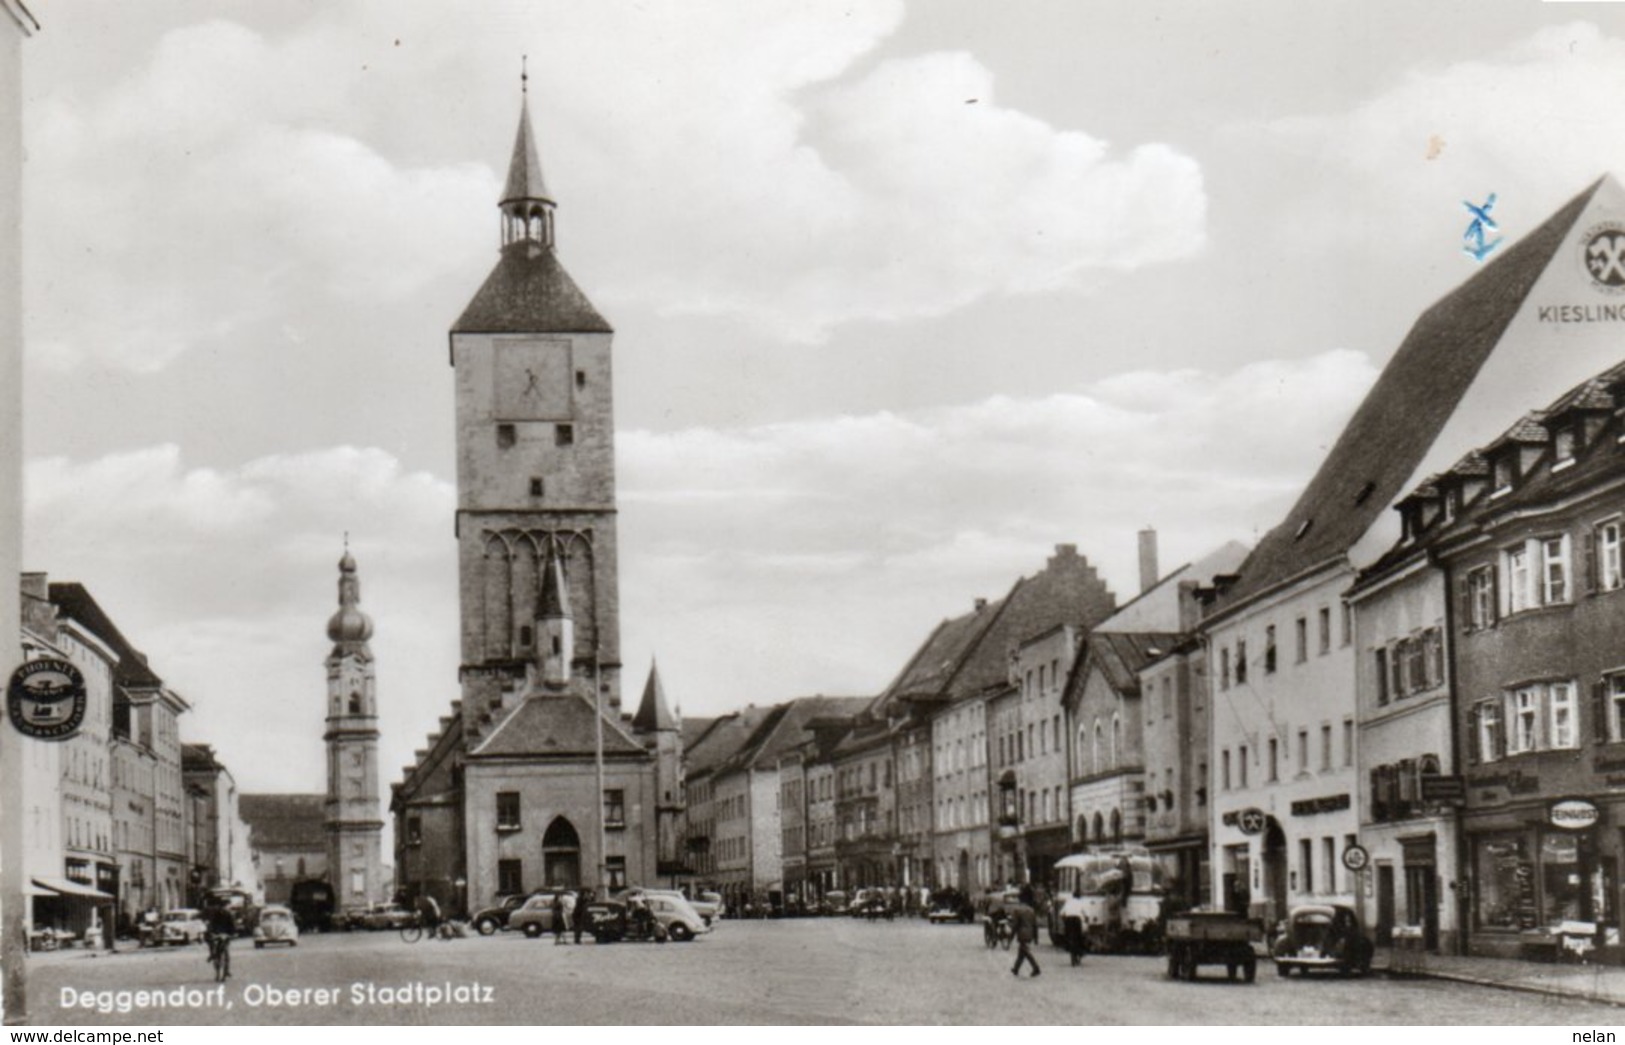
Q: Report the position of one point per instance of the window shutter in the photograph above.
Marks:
(1504, 722)
(1465, 594)
(1588, 561)
(1496, 610)
(1474, 737)
(1599, 711)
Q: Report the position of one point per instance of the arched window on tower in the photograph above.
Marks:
(355, 708)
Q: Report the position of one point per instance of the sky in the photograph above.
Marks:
(904, 296)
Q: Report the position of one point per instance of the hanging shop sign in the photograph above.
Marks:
(46, 699)
(1323, 804)
(1572, 814)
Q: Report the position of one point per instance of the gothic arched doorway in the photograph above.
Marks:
(561, 854)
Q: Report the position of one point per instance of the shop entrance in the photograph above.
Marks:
(1385, 905)
(1275, 873)
(561, 855)
(1422, 888)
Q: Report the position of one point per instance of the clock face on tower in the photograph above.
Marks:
(531, 380)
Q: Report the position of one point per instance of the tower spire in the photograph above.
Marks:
(349, 627)
(527, 206)
(653, 713)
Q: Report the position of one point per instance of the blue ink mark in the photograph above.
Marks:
(1475, 246)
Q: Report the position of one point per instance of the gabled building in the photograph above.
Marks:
(1530, 324)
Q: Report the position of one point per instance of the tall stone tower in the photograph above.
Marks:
(354, 821)
(535, 471)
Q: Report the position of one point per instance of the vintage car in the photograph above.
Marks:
(488, 920)
(183, 925)
(535, 916)
(1323, 936)
(708, 910)
(386, 916)
(950, 905)
(276, 925)
(670, 917)
(834, 902)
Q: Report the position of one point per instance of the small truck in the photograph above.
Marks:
(1213, 938)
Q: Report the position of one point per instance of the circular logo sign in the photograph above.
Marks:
(46, 699)
(1572, 814)
(1603, 255)
(1251, 821)
(1355, 858)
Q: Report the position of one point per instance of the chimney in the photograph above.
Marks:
(981, 604)
(1148, 559)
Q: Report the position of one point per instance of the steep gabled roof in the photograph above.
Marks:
(783, 733)
(530, 293)
(74, 600)
(723, 740)
(1401, 417)
(653, 713)
(285, 821)
(544, 724)
(1119, 656)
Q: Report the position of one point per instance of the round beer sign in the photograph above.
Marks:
(46, 699)
(1572, 814)
(1355, 858)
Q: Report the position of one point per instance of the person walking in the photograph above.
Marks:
(580, 919)
(1026, 926)
(558, 917)
(1072, 921)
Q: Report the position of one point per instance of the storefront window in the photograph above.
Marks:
(1563, 888)
(1506, 884)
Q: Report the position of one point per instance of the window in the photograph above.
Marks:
(1503, 475)
(1519, 597)
(615, 869)
(536, 487)
(1224, 668)
(581, 379)
(1225, 763)
(1348, 742)
(1614, 690)
(1348, 624)
(1381, 655)
(564, 435)
(1241, 661)
(1328, 861)
(1241, 761)
(505, 436)
(1303, 751)
(1480, 598)
(1490, 737)
(1325, 629)
(1563, 444)
(510, 876)
(1433, 658)
(414, 830)
(508, 811)
(1325, 747)
(1306, 864)
(614, 808)
(1269, 649)
(1275, 760)
(1525, 732)
(1554, 554)
(1302, 629)
(1563, 728)
(1609, 576)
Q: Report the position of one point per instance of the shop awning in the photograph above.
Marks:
(67, 888)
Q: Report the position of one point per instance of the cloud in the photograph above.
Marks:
(722, 162)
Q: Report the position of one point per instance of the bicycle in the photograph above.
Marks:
(220, 956)
(413, 931)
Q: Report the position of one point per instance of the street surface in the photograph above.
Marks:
(760, 972)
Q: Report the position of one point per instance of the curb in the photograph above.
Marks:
(1549, 991)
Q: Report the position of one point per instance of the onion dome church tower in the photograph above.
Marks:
(354, 821)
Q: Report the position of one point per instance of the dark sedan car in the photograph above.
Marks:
(489, 919)
(1323, 936)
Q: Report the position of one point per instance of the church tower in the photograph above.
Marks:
(354, 823)
(662, 732)
(535, 471)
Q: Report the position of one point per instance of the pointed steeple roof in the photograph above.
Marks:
(555, 593)
(525, 180)
(653, 714)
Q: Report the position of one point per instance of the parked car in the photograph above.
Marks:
(183, 925)
(708, 910)
(276, 925)
(387, 916)
(834, 902)
(535, 916)
(951, 905)
(671, 917)
(488, 920)
(1323, 936)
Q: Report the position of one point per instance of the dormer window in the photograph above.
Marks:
(1447, 507)
(1504, 473)
(1564, 443)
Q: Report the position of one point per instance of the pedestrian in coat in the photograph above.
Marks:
(561, 916)
(1072, 920)
(1026, 926)
(581, 912)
